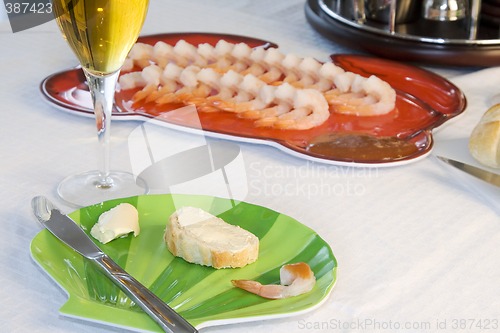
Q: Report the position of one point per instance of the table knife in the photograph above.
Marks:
(67, 231)
(484, 175)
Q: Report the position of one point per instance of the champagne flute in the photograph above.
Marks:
(100, 33)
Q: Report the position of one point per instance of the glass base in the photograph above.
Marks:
(87, 189)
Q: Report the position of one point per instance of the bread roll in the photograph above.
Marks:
(484, 142)
(201, 238)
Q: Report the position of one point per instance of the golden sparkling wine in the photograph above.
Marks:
(100, 32)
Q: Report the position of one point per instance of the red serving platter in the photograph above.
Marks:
(424, 101)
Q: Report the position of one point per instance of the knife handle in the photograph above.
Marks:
(169, 320)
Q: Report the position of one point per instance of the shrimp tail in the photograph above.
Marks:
(271, 291)
(295, 279)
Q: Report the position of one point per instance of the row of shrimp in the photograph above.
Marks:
(283, 106)
(277, 90)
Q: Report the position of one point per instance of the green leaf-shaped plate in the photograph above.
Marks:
(203, 295)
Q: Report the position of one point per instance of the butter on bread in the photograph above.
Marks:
(202, 238)
(484, 142)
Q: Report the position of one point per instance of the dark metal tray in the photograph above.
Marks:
(443, 43)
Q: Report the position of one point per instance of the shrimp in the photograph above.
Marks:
(326, 74)
(195, 85)
(297, 109)
(281, 96)
(229, 83)
(291, 63)
(265, 64)
(247, 98)
(163, 53)
(277, 90)
(140, 54)
(274, 58)
(144, 93)
(309, 67)
(207, 52)
(240, 57)
(132, 80)
(153, 76)
(295, 279)
(187, 80)
(310, 110)
(166, 89)
(260, 106)
(224, 58)
(361, 96)
(282, 107)
(258, 67)
(186, 54)
(242, 52)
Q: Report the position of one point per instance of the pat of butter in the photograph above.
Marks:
(116, 222)
(192, 215)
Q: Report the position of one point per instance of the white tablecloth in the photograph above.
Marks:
(417, 248)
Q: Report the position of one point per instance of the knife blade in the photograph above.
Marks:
(68, 232)
(484, 175)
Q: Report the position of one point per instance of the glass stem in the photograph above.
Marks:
(102, 89)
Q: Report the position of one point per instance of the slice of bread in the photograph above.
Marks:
(202, 238)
